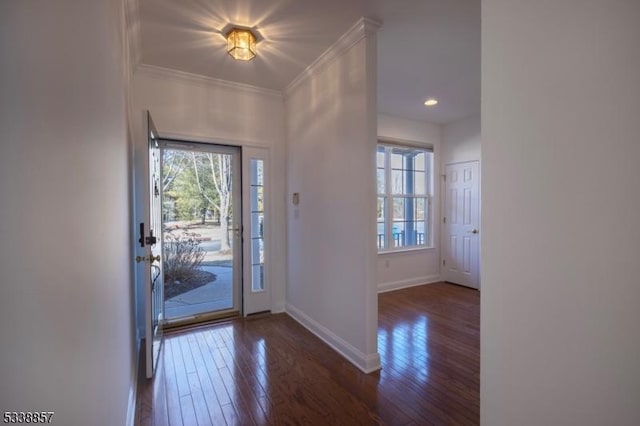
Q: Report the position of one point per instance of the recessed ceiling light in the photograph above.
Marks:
(431, 102)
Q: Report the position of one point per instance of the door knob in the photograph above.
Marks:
(474, 231)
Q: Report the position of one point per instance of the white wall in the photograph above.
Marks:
(65, 295)
(412, 267)
(189, 107)
(461, 141)
(331, 141)
(560, 343)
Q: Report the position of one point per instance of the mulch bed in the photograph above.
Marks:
(200, 278)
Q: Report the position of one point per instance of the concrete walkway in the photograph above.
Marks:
(214, 296)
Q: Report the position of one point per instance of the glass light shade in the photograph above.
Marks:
(241, 44)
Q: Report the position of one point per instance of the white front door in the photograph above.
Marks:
(154, 286)
(461, 224)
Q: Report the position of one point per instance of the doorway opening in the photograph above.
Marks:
(201, 231)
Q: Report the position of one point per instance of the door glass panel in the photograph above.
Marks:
(257, 225)
(199, 230)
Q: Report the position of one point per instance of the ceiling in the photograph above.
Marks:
(426, 48)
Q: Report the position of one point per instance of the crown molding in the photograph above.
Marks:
(358, 31)
(160, 72)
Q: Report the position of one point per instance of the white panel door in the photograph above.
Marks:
(461, 224)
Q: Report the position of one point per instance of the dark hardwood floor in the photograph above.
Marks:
(270, 370)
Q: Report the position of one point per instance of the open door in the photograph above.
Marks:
(152, 239)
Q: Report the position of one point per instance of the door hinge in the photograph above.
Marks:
(444, 177)
(444, 220)
(444, 262)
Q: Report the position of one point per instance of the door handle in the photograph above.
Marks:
(141, 239)
(474, 231)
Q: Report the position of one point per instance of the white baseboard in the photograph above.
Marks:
(411, 282)
(133, 388)
(367, 363)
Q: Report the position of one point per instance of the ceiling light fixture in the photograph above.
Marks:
(431, 102)
(241, 44)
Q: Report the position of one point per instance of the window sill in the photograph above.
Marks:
(406, 250)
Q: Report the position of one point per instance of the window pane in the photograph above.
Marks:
(256, 198)
(396, 159)
(419, 204)
(398, 208)
(381, 223)
(257, 220)
(397, 233)
(408, 172)
(257, 278)
(381, 179)
(419, 163)
(397, 228)
(409, 226)
(380, 157)
(419, 183)
(257, 172)
(397, 179)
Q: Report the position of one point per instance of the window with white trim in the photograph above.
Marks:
(404, 197)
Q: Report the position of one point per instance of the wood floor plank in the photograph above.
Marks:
(211, 398)
(179, 367)
(188, 412)
(171, 385)
(198, 399)
(272, 371)
(237, 399)
(220, 391)
(160, 412)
